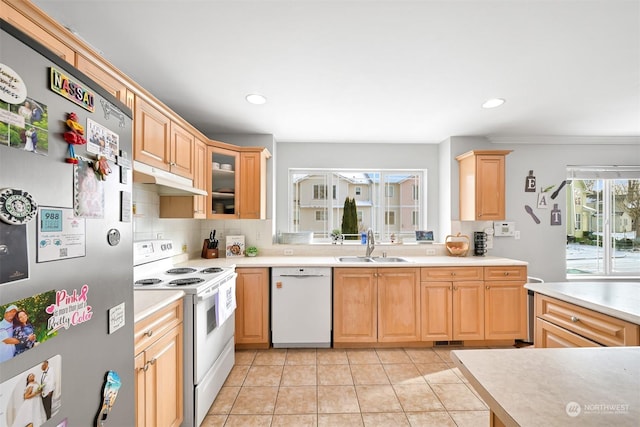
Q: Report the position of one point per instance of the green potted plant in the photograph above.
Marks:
(251, 251)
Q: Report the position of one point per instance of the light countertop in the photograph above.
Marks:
(557, 386)
(332, 261)
(617, 299)
(146, 303)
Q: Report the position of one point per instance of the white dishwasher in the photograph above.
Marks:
(301, 307)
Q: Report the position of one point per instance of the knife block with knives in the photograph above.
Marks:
(208, 251)
(210, 246)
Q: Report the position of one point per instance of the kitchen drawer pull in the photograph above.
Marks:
(574, 319)
(453, 273)
(149, 333)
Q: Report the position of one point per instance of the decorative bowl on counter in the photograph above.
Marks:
(457, 245)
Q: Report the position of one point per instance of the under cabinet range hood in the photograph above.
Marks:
(167, 184)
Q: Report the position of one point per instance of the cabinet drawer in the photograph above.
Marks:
(603, 329)
(151, 328)
(439, 274)
(549, 335)
(505, 273)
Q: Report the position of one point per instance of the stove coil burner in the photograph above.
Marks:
(181, 270)
(145, 282)
(212, 270)
(186, 281)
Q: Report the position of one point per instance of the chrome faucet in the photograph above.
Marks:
(371, 243)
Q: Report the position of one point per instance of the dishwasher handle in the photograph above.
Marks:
(301, 276)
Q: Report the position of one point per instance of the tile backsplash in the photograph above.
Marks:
(190, 233)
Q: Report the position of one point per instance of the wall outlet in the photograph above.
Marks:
(159, 236)
(431, 251)
(184, 249)
(288, 251)
(516, 234)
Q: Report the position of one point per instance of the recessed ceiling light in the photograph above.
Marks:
(493, 103)
(254, 98)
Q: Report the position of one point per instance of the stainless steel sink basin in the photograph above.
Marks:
(389, 259)
(355, 259)
(376, 259)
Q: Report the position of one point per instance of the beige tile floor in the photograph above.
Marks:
(347, 387)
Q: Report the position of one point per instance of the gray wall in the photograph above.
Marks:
(542, 245)
(382, 156)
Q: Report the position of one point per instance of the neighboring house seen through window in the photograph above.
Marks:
(388, 201)
(603, 226)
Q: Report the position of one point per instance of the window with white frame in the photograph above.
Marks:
(319, 192)
(604, 205)
(389, 218)
(386, 201)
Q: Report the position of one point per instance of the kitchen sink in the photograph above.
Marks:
(355, 259)
(389, 259)
(376, 259)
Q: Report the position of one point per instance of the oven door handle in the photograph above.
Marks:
(212, 291)
(208, 293)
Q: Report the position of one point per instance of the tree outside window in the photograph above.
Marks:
(603, 227)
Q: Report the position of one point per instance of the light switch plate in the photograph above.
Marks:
(116, 318)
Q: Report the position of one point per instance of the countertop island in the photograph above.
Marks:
(556, 387)
(617, 299)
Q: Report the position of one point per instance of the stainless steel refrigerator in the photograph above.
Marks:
(66, 269)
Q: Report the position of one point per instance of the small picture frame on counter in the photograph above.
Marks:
(235, 246)
(424, 236)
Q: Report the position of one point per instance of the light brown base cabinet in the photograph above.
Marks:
(252, 308)
(562, 324)
(159, 368)
(473, 303)
(373, 305)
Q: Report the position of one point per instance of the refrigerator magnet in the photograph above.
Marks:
(16, 206)
(109, 393)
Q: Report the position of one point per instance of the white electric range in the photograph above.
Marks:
(209, 321)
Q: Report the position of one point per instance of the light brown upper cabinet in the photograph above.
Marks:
(106, 79)
(237, 181)
(190, 206)
(482, 185)
(160, 142)
(42, 31)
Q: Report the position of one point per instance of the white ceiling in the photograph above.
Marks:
(379, 71)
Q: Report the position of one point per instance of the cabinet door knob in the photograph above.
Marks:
(149, 333)
(574, 319)
(455, 288)
(145, 367)
(506, 273)
(453, 273)
(487, 287)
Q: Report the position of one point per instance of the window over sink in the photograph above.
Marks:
(388, 201)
